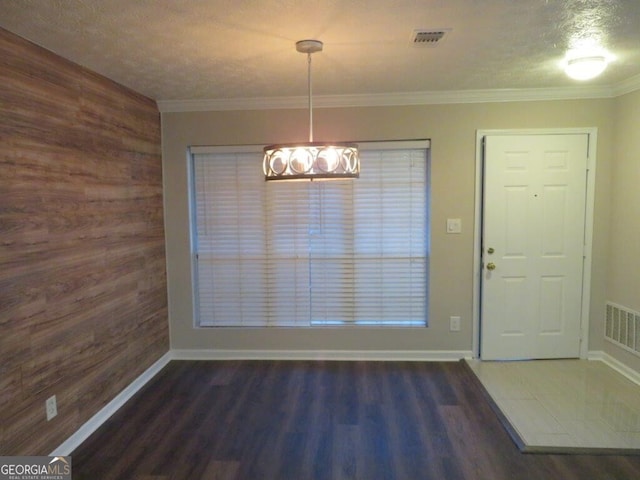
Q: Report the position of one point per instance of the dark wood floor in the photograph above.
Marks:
(297, 420)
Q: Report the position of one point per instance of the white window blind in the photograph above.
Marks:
(352, 252)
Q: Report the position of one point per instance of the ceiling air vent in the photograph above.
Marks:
(429, 38)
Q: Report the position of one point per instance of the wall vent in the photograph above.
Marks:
(429, 38)
(622, 327)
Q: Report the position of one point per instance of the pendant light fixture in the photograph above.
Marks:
(311, 160)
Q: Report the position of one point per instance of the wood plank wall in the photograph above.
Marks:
(83, 303)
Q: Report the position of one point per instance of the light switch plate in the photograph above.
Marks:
(454, 225)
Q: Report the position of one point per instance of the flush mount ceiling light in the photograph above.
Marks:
(585, 65)
(311, 160)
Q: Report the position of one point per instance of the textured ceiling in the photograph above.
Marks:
(233, 49)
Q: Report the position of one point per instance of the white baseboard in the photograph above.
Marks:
(368, 355)
(71, 443)
(616, 364)
(114, 405)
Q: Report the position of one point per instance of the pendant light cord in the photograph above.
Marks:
(310, 102)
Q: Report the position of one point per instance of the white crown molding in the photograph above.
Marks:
(348, 355)
(227, 104)
(398, 99)
(627, 86)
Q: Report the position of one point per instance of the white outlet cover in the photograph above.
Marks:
(51, 407)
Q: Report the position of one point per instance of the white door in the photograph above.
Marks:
(533, 245)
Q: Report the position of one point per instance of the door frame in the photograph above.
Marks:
(592, 133)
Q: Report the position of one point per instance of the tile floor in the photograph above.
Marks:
(565, 405)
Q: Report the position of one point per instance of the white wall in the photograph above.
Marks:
(452, 129)
(623, 276)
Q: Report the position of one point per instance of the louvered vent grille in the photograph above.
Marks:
(429, 38)
(622, 327)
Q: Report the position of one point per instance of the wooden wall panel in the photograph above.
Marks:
(83, 303)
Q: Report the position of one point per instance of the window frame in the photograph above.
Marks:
(255, 149)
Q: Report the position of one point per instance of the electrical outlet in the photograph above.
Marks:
(51, 407)
(454, 324)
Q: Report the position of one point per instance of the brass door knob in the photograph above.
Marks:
(491, 266)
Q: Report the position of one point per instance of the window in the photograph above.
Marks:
(348, 252)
